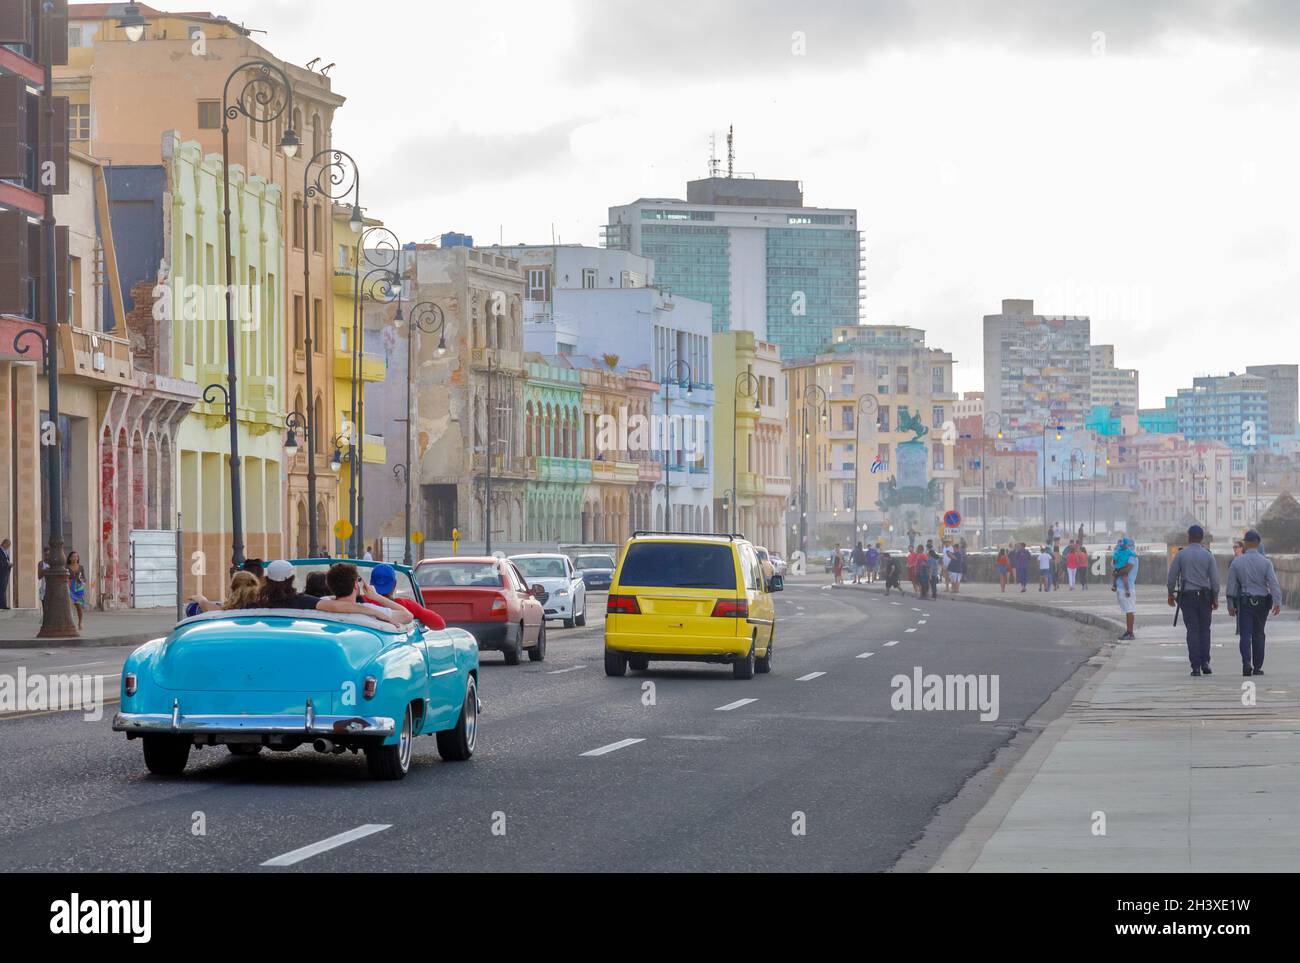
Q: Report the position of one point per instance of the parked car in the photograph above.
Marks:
(597, 570)
(489, 598)
(698, 598)
(566, 592)
(254, 679)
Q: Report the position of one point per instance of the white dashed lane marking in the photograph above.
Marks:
(572, 668)
(613, 747)
(315, 849)
(892, 642)
(920, 621)
(809, 677)
(734, 705)
(864, 655)
(909, 630)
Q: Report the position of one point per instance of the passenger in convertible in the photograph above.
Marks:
(346, 583)
(383, 582)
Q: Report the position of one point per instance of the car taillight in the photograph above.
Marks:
(369, 687)
(622, 605)
(129, 683)
(731, 609)
(499, 607)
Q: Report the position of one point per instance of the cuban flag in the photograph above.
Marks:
(877, 465)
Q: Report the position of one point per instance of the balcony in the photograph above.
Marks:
(614, 472)
(548, 468)
(90, 354)
(373, 450)
(372, 367)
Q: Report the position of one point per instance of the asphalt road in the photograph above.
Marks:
(702, 787)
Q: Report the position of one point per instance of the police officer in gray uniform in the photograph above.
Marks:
(1252, 589)
(1193, 585)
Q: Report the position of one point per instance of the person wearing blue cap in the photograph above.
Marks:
(1193, 585)
(383, 582)
(1124, 566)
(1252, 589)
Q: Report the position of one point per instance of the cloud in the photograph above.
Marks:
(676, 38)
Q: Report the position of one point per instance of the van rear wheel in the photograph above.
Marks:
(744, 668)
(615, 663)
(764, 665)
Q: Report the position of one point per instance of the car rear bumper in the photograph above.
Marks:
(308, 723)
(489, 635)
(701, 647)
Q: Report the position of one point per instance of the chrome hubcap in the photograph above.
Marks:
(404, 742)
(471, 715)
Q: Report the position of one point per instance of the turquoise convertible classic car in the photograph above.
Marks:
(277, 679)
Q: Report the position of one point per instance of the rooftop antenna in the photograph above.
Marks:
(714, 166)
(731, 148)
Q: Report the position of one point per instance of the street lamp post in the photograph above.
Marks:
(728, 499)
(1046, 428)
(868, 405)
(428, 318)
(747, 386)
(675, 367)
(386, 256)
(1076, 456)
(992, 422)
(337, 176)
(810, 393)
(261, 102)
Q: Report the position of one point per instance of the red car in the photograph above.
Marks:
(488, 598)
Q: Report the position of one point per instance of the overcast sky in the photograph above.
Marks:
(1133, 161)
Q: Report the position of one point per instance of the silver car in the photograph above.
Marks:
(566, 594)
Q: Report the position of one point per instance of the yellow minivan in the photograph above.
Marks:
(690, 598)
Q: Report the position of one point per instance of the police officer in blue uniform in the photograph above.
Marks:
(1193, 586)
(1252, 590)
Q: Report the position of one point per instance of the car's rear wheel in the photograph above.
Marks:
(764, 664)
(744, 668)
(615, 663)
(516, 651)
(244, 749)
(538, 652)
(638, 662)
(393, 762)
(166, 755)
(457, 745)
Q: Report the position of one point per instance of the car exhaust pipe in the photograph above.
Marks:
(323, 745)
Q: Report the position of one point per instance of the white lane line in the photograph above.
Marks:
(864, 655)
(895, 603)
(915, 609)
(892, 642)
(315, 849)
(909, 630)
(734, 705)
(613, 747)
(926, 614)
(572, 668)
(920, 621)
(809, 677)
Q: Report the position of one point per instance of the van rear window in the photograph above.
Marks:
(679, 565)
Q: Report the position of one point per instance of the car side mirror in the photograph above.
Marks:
(537, 592)
(776, 584)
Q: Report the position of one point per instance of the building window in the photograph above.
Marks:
(936, 416)
(74, 36)
(882, 452)
(317, 310)
(938, 458)
(538, 285)
(846, 418)
(298, 215)
(209, 114)
(298, 328)
(936, 380)
(79, 122)
(588, 278)
(343, 256)
(317, 229)
(882, 418)
(900, 379)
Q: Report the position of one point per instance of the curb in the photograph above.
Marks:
(79, 642)
(1087, 618)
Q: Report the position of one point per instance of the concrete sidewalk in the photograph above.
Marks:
(124, 627)
(1181, 773)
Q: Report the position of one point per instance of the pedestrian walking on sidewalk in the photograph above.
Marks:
(859, 560)
(1252, 590)
(837, 564)
(1045, 570)
(1022, 560)
(1124, 566)
(1072, 564)
(6, 565)
(873, 563)
(1081, 571)
(77, 586)
(957, 567)
(890, 565)
(1003, 565)
(1193, 585)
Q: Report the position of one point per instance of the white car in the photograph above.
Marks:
(566, 595)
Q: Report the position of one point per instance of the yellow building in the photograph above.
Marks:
(749, 439)
(369, 318)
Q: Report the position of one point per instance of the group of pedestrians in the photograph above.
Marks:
(1252, 592)
(76, 579)
(865, 563)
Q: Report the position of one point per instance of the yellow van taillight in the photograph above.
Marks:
(731, 609)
